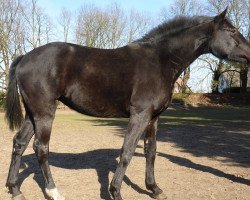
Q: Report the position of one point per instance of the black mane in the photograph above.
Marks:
(172, 26)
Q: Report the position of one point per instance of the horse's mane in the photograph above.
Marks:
(173, 26)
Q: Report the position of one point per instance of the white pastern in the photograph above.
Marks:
(54, 194)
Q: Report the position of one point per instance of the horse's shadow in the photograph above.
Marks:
(102, 160)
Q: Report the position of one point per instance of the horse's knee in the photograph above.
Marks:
(125, 158)
(40, 145)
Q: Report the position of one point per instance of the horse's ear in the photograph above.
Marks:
(220, 18)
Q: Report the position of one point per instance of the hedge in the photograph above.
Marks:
(234, 90)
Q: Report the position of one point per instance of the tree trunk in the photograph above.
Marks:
(186, 77)
(216, 77)
(243, 79)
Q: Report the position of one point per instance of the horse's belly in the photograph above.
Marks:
(97, 107)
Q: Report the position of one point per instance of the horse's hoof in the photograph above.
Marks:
(19, 197)
(160, 196)
(118, 198)
(54, 194)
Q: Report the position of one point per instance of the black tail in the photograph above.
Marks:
(13, 110)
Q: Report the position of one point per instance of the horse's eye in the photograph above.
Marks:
(232, 30)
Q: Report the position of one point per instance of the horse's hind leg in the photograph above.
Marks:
(43, 124)
(20, 143)
(150, 152)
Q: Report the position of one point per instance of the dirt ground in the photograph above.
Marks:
(201, 154)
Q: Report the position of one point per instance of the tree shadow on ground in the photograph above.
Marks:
(222, 134)
(102, 160)
(213, 133)
(189, 164)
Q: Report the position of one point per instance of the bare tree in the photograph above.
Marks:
(116, 27)
(38, 26)
(11, 34)
(137, 25)
(102, 28)
(216, 6)
(91, 26)
(183, 8)
(65, 20)
(23, 26)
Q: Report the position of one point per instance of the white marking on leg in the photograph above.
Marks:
(54, 194)
(19, 197)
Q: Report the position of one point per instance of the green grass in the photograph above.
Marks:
(211, 114)
(205, 116)
(193, 115)
(226, 117)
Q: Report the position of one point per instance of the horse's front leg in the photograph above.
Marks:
(137, 125)
(150, 152)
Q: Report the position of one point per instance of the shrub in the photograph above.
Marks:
(234, 90)
(181, 98)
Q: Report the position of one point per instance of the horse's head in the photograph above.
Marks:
(227, 42)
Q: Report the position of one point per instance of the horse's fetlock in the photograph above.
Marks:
(115, 193)
(154, 188)
(9, 184)
(151, 186)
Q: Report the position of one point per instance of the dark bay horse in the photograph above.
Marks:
(134, 81)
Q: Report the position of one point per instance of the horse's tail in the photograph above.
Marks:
(13, 110)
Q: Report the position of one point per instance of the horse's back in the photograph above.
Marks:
(92, 81)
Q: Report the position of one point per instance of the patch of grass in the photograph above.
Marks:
(73, 117)
(181, 98)
(233, 114)
(230, 113)
(203, 116)
(207, 115)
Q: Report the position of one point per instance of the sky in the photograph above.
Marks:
(153, 7)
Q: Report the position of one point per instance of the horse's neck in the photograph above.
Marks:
(180, 51)
(184, 50)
